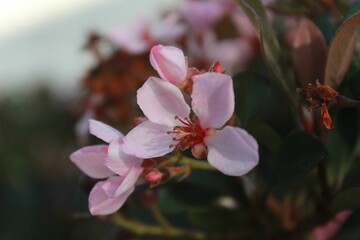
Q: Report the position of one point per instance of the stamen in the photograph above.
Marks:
(187, 135)
(186, 121)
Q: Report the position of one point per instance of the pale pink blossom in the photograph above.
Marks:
(203, 14)
(229, 149)
(135, 39)
(142, 35)
(169, 29)
(230, 52)
(102, 161)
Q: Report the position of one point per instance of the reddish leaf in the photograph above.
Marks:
(309, 52)
(341, 50)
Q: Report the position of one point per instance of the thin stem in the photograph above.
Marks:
(144, 229)
(160, 218)
(195, 164)
(344, 102)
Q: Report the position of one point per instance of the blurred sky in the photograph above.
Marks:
(41, 40)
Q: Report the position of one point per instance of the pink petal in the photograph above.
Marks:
(110, 187)
(213, 99)
(135, 39)
(91, 160)
(170, 28)
(203, 14)
(230, 52)
(103, 131)
(101, 204)
(119, 162)
(161, 102)
(169, 62)
(148, 140)
(129, 181)
(232, 151)
(244, 26)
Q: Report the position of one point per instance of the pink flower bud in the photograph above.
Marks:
(199, 150)
(170, 63)
(217, 67)
(154, 176)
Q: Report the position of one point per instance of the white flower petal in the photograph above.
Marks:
(161, 101)
(148, 140)
(118, 161)
(99, 201)
(232, 151)
(91, 160)
(103, 131)
(213, 99)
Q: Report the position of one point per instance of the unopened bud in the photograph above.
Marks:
(154, 176)
(170, 63)
(199, 150)
(217, 67)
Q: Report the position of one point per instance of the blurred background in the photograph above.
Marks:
(41, 63)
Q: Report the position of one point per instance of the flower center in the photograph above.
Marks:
(187, 135)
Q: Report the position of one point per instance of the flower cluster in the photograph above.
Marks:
(207, 30)
(194, 26)
(185, 108)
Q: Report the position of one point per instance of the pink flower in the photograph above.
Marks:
(169, 29)
(102, 161)
(170, 63)
(230, 149)
(203, 14)
(135, 39)
(142, 35)
(230, 52)
(329, 229)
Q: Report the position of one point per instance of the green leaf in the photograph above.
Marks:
(266, 136)
(309, 52)
(250, 91)
(355, 7)
(346, 199)
(268, 41)
(341, 50)
(300, 153)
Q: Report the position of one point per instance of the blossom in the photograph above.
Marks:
(102, 161)
(229, 149)
(139, 37)
(137, 40)
(203, 14)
